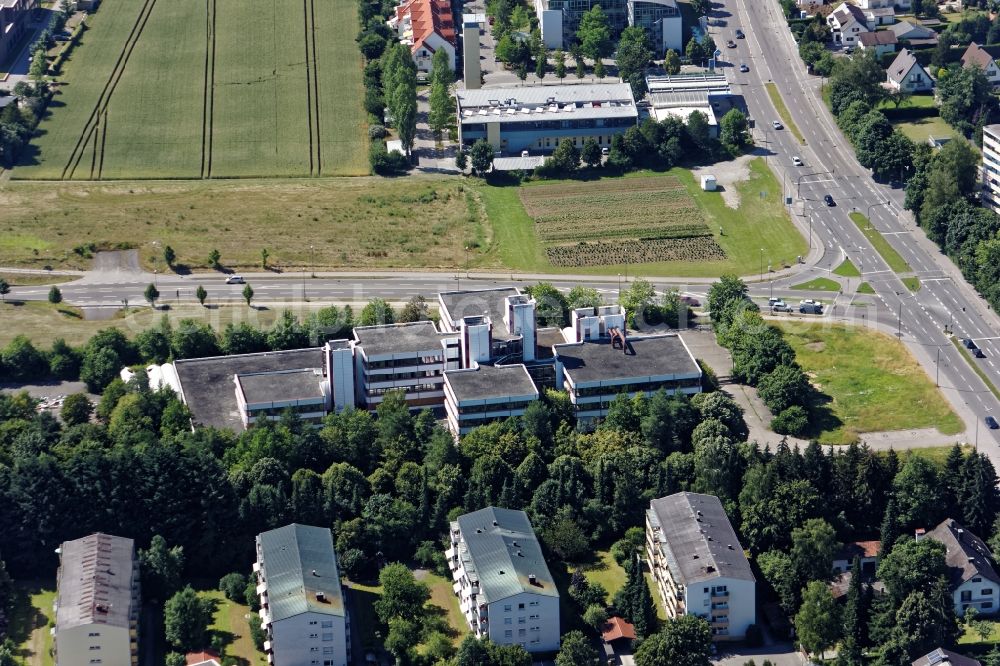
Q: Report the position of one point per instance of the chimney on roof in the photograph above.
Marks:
(532, 579)
(321, 597)
(496, 524)
(314, 573)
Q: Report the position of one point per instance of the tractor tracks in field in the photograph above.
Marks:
(208, 92)
(95, 130)
(312, 88)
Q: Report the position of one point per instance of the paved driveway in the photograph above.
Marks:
(780, 654)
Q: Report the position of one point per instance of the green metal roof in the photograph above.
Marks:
(504, 552)
(299, 562)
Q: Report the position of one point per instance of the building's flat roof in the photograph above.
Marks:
(688, 82)
(502, 552)
(95, 582)
(408, 338)
(490, 381)
(543, 113)
(299, 562)
(475, 303)
(207, 383)
(698, 539)
(650, 356)
(282, 386)
(540, 95)
(518, 163)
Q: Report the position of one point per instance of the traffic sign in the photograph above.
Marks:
(718, 52)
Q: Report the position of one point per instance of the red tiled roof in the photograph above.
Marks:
(616, 628)
(859, 548)
(976, 55)
(204, 656)
(428, 17)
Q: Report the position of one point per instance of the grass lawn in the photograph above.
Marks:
(443, 597)
(786, 117)
(418, 222)
(872, 382)
(818, 284)
(973, 640)
(847, 269)
(43, 322)
(230, 623)
(758, 222)
(935, 454)
(920, 129)
(606, 571)
(920, 101)
(865, 288)
(31, 279)
(169, 90)
(30, 620)
(888, 253)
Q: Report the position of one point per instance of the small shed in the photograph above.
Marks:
(617, 629)
(394, 144)
(708, 182)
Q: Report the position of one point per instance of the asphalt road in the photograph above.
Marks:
(830, 168)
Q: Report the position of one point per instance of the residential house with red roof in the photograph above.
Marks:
(426, 26)
(977, 56)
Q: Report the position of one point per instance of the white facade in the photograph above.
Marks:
(505, 590)
(883, 4)
(698, 564)
(483, 394)
(846, 23)
(550, 22)
(979, 593)
(991, 168)
(97, 602)
(302, 608)
(423, 54)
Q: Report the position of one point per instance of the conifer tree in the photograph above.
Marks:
(891, 529)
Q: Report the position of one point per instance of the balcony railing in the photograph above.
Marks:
(720, 595)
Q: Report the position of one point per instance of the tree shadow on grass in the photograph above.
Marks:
(181, 269)
(821, 416)
(25, 618)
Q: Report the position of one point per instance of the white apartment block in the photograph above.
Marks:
(991, 168)
(698, 564)
(504, 587)
(97, 602)
(302, 607)
(481, 395)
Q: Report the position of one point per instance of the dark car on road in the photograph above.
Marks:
(991, 423)
(731, 44)
(969, 343)
(829, 200)
(739, 34)
(978, 353)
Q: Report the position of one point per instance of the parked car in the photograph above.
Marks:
(235, 279)
(744, 68)
(969, 343)
(797, 161)
(991, 423)
(774, 300)
(739, 34)
(690, 302)
(811, 308)
(829, 200)
(782, 308)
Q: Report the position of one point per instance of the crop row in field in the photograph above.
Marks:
(570, 232)
(635, 251)
(172, 90)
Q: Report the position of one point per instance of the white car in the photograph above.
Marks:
(235, 279)
(776, 125)
(797, 161)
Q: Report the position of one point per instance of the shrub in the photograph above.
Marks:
(234, 586)
(793, 421)
(377, 132)
(621, 550)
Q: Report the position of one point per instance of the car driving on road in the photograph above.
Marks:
(744, 68)
(797, 161)
(829, 200)
(739, 34)
(991, 423)
(731, 44)
(235, 279)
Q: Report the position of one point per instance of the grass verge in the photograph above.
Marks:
(912, 283)
(871, 382)
(30, 619)
(935, 454)
(847, 269)
(818, 284)
(881, 245)
(34, 279)
(786, 117)
(865, 288)
(975, 366)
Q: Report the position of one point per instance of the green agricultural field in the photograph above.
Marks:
(645, 223)
(207, 89)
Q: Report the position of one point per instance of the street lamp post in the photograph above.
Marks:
(761, 264)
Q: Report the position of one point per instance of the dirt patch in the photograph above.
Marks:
(727, 175)
(125, 261)
(816, 346)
